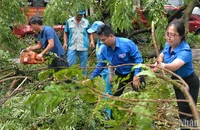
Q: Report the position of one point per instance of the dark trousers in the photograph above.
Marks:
(193, 83)
(123, 82)
(59, 63)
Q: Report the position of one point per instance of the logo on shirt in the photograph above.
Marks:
(122, 55)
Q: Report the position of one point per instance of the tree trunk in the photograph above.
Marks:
(188, 11)
(181, 9)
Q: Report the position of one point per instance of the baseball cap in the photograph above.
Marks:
(95, 26)
(81, 12)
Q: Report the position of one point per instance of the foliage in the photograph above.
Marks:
(58, 11)
(64, 104)
(155, 9)
(123, 9)
(58, 99)
(5, 58)
(10, 16)
(193, 39)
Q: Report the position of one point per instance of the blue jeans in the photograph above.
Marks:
(83, 57)
(108, 91)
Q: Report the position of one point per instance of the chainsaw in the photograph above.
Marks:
(29, 57)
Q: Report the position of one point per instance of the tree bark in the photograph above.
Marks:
(139, 31)
(188, 11)
(181, 9)
(185, 18)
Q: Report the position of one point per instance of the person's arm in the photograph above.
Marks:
(160, 57)
(137, 59)
(99, 67)
(48, 48)
(175, 65)
(112, 73)
(65, 38)
(92, 45)
(135, 56)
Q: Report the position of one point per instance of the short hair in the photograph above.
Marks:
(35, 20)
(180, 27)
(105, 29)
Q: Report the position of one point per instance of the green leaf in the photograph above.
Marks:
(45, 74)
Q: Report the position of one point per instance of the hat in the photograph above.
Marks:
(95, 26)
(81, 12)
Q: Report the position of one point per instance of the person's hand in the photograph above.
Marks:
(85, 82)
(154, 69)
(65, 46)
(161, 65)
(92, 45)
(28, 48)
(159, 59)
(136, 81)
(39, 56)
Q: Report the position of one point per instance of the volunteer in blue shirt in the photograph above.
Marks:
(177, 57)
(118, 51)
(48, 39)
(105, 72)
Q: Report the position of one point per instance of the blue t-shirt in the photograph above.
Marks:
(183, 52)
(47, 34)
(125, 52)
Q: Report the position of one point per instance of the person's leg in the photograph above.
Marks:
(108, 85)
(71, 57)
(193, 83)
(120, 89)
(83, 57)
(108, 91)
(122, 83)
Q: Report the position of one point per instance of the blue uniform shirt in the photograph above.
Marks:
(99, 47)
(183, 52)
(125, 52)
(47, 34)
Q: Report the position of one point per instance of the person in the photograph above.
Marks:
(177, 57)
(118, 51)
(47, 39)
(105, 72)
(76, 40)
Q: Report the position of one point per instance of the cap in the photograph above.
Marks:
(95, 26)
(81, 12)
